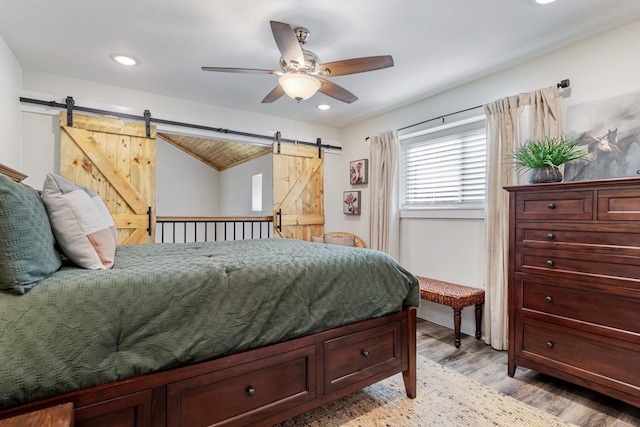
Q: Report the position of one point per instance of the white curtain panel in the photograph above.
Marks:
(384, 224)
(510, 122)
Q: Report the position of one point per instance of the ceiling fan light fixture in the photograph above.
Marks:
(299, 86)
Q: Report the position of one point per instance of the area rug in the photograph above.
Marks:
(445, 398)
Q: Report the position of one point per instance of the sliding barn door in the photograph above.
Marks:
(298, 191)
(116, 160)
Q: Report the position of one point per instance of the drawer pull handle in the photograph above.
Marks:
(251, 391)
(551, 206)
(549, 344)
(550, 236)
(366, 354)
(550, 263)
(548, 299)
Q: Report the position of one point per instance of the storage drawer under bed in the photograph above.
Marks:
(243, 394)
(351, 358)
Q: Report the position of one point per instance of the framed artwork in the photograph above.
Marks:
(358, 171)
(608, 130)
(351, 203)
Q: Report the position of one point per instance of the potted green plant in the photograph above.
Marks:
(543, 156)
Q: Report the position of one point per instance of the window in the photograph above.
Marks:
(444, 167)
(256, 193)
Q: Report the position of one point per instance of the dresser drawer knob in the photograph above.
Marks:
(550, 236)
(550, 263)
(549, 344)
(548, 299)
(251, 391)
(551, 206)
(366, 354)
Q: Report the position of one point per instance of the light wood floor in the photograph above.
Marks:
(480, 362)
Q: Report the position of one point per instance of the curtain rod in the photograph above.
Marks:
(563, 84)
(70, 106)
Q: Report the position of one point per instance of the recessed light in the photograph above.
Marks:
(539, 2)
(124, 60)
(323, 107)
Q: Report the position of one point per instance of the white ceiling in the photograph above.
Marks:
(436, 44)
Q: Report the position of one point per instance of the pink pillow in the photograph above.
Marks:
(81, 222)
(317, 239)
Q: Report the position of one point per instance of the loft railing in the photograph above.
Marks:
(184, 229)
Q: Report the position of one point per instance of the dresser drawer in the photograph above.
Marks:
(606, 358)
(355, 357)
(619, 205)
(256, 389)
(600, 307)
(619, 240)
(580, 265)
(555, 205)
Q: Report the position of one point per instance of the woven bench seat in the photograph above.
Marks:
(455, 296)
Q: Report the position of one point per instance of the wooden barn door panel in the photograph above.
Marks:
(116, 160)
(298, 191)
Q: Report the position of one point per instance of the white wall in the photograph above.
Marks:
(10, 84)
(190, 188)
(334, 185)
(41, 147)
(235, 187)
(453, 249)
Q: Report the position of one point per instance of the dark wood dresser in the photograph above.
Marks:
(574, 283)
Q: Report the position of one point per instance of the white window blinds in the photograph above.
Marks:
(444, 168)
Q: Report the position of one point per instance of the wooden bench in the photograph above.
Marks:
(456, 297)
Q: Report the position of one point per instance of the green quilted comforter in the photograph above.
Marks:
(167, 305)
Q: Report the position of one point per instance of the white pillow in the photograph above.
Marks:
(81, 222)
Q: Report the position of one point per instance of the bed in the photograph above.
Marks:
(229, 333)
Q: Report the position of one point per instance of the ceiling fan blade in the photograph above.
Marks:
(355, 65)
(240, 70)
(337, 92)
(287, 43)
(274, 95)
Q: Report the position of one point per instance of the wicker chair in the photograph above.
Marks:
(358, 242)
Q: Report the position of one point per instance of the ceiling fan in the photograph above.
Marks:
(302, 74)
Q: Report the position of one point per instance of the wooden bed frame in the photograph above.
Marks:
(259, 387)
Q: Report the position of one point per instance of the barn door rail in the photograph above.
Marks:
(70, 107)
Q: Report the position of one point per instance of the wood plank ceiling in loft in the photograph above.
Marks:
(218, 154)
